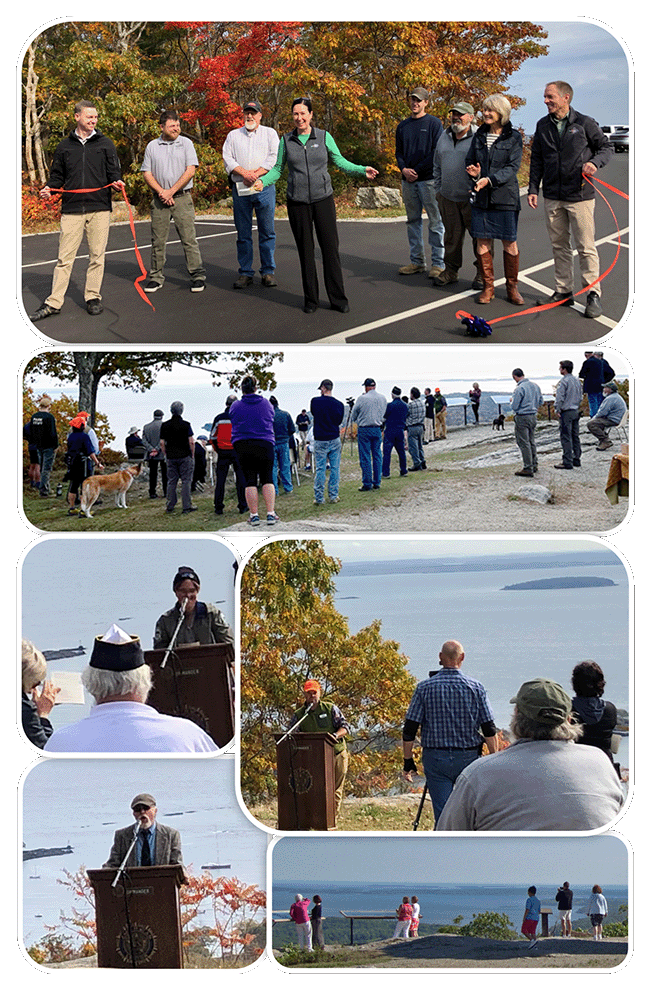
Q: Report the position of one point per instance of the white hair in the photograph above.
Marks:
(115, 683)
(34, 667)
(523, 727)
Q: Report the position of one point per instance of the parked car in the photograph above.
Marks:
(619, 136)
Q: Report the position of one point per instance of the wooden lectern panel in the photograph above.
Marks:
(196, 683)
(138, 920)
(305, 764)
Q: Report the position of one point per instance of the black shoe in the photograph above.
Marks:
(152, 286)
(423, 466)
(43, 311)
(577, 464)
(403, 474)
(94, 307)
(366, 488)
(309, 308)
(593, 309)
(563, 467)
(197, 285)
(153, 496)
(414, 468)
(218, 512)
(566, 296)
(341, 309)
(192, 508)
(243, 282)
(375, 486)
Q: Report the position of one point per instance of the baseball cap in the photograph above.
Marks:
(544, 701)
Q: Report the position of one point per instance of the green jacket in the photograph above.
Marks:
(325, 717)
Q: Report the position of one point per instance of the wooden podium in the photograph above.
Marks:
(196, 683)
(138, 920)
(305, 764)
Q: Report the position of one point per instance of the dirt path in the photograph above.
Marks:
(480, 492)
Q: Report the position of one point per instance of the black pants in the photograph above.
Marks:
(226, 458)
(153, 476)
(303, 218)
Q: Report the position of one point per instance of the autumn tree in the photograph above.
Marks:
(291, 631)
(138, 371)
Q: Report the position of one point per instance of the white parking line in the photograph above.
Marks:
(341, 338)
(141, 248)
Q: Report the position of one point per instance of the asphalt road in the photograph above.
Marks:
(385, 307)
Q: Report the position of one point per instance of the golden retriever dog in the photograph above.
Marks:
(118, 483)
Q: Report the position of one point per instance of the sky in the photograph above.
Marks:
(398, 548)
(590, 59)
(476, 860)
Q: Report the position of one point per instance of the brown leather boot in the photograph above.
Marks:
(511, 269)
(486, 269)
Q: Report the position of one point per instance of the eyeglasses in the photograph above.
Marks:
(142, 807)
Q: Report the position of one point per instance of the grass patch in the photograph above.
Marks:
(364, 814)
(145, 515)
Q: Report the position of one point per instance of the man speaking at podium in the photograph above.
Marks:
(156, 844)
(323, 716)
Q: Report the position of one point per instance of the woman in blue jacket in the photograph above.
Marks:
(493, 161)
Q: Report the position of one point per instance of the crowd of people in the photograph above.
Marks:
(464, 176)
(265, 447)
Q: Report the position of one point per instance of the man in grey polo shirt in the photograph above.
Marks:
(568, 396)
(169, 165)
(249, 152)
(526, 400)
(368, 413)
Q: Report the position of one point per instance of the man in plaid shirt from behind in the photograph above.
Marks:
(454, 716)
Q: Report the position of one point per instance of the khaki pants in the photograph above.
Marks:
(73, 227)
(565, 221)
(441, 424)
(340, 773)
(182, 213)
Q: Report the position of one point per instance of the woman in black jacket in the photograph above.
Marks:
(493, 161)
(597, 717)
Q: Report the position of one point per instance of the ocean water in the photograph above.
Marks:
(441, 903)
(87, 800)
(509, 636)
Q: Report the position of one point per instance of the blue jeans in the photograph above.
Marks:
(324, 450)
(415, 434)
(418, 196)
(282, 466)
(46, 460)
(441, 768)
(369, 443)
(595, 399)
(243, 207)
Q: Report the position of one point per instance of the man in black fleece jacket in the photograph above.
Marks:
(85, 159)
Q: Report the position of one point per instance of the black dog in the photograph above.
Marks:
(498, 423)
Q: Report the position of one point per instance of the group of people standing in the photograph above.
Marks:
(408, 918)
(308, 924)
(464, 177)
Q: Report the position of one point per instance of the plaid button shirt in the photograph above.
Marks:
(450, 708)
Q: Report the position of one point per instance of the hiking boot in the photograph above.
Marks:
(446, 277)
(243, 282)
(412, 270)
(268, 281)
(435, 270)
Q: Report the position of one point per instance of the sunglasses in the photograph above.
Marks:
(142, 807)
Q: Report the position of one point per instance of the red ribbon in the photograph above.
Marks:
(461, 314)
(141, 277)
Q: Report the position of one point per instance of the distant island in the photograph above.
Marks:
(561, 582)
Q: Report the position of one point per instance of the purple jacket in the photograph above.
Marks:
(252, 419)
